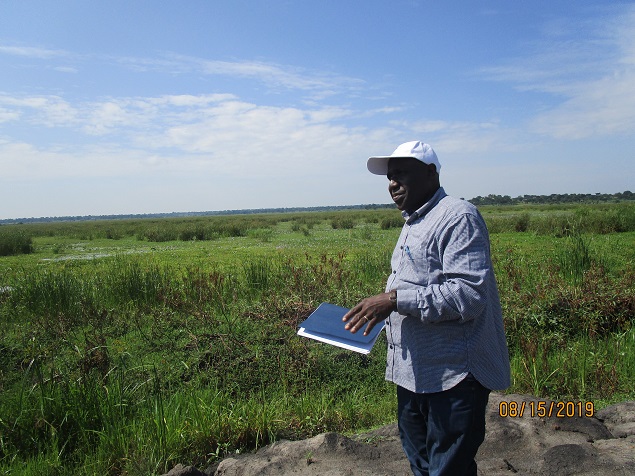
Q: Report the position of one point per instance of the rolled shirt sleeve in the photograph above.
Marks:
(459, 292)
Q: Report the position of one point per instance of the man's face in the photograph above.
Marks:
(411, 183)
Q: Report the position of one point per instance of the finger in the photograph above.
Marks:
(351, 313)
(369, 327)
(356, 324)
(352, 323)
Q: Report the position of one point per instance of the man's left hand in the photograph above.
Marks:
(371, 310)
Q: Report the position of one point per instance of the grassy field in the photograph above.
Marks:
(127, 346)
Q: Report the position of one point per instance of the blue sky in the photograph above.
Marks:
(130, 106)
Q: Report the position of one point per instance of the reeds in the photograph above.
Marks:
(14, 241)
(134, 362)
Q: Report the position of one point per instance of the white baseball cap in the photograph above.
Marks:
(415, 149)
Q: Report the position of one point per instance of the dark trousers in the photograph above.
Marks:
(441, 432)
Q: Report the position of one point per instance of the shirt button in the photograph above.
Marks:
(390, 346)
(394, 272)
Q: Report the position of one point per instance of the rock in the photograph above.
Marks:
(619, 419)
(328, 454)
(563, 460)
(514, 445)
(180, 470)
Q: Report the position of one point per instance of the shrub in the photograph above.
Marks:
(15, 242)
(365, 232)
(194, 233)
(391, 222)
(345, 223)
(158, 234)
(521, 223)
(262, 234)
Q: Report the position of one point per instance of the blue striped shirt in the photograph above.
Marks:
(448, 320)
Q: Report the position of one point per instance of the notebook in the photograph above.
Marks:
(325, 325)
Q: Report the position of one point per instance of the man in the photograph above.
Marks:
(446, 341)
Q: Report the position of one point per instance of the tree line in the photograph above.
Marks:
(490, 199)
(553, 198)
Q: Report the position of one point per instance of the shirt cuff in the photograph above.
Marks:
(407, 302)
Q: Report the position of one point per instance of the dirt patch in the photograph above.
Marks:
(576, 445)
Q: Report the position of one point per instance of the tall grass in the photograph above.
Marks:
(575, 258)
(93, 336)
(569, 321)
(556, 220)
(14, 241)
(594, 369)
(131, 363)
(600, 219)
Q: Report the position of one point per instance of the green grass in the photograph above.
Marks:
(120, 355)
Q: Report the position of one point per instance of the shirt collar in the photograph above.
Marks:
(426, 207)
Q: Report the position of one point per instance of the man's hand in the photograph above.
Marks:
(371, 310)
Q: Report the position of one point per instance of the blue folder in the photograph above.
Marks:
(325, 325)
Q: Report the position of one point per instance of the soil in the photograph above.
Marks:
(603, 444)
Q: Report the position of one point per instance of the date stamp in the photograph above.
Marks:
(546, 409)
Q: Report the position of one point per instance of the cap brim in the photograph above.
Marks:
(378, 165)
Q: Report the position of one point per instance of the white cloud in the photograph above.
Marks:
(66, 69)
(591, 79)
(32, 52)
(105, 117)
(600, 108)
(34, 102)
(7, 115)
(21, 160)
(279, 75)
(185, 100)
(50, 111)
(318, 84)
(243, 138)
(180, 134)
(221, 133)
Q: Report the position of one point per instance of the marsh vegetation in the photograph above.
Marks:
(129, 345)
